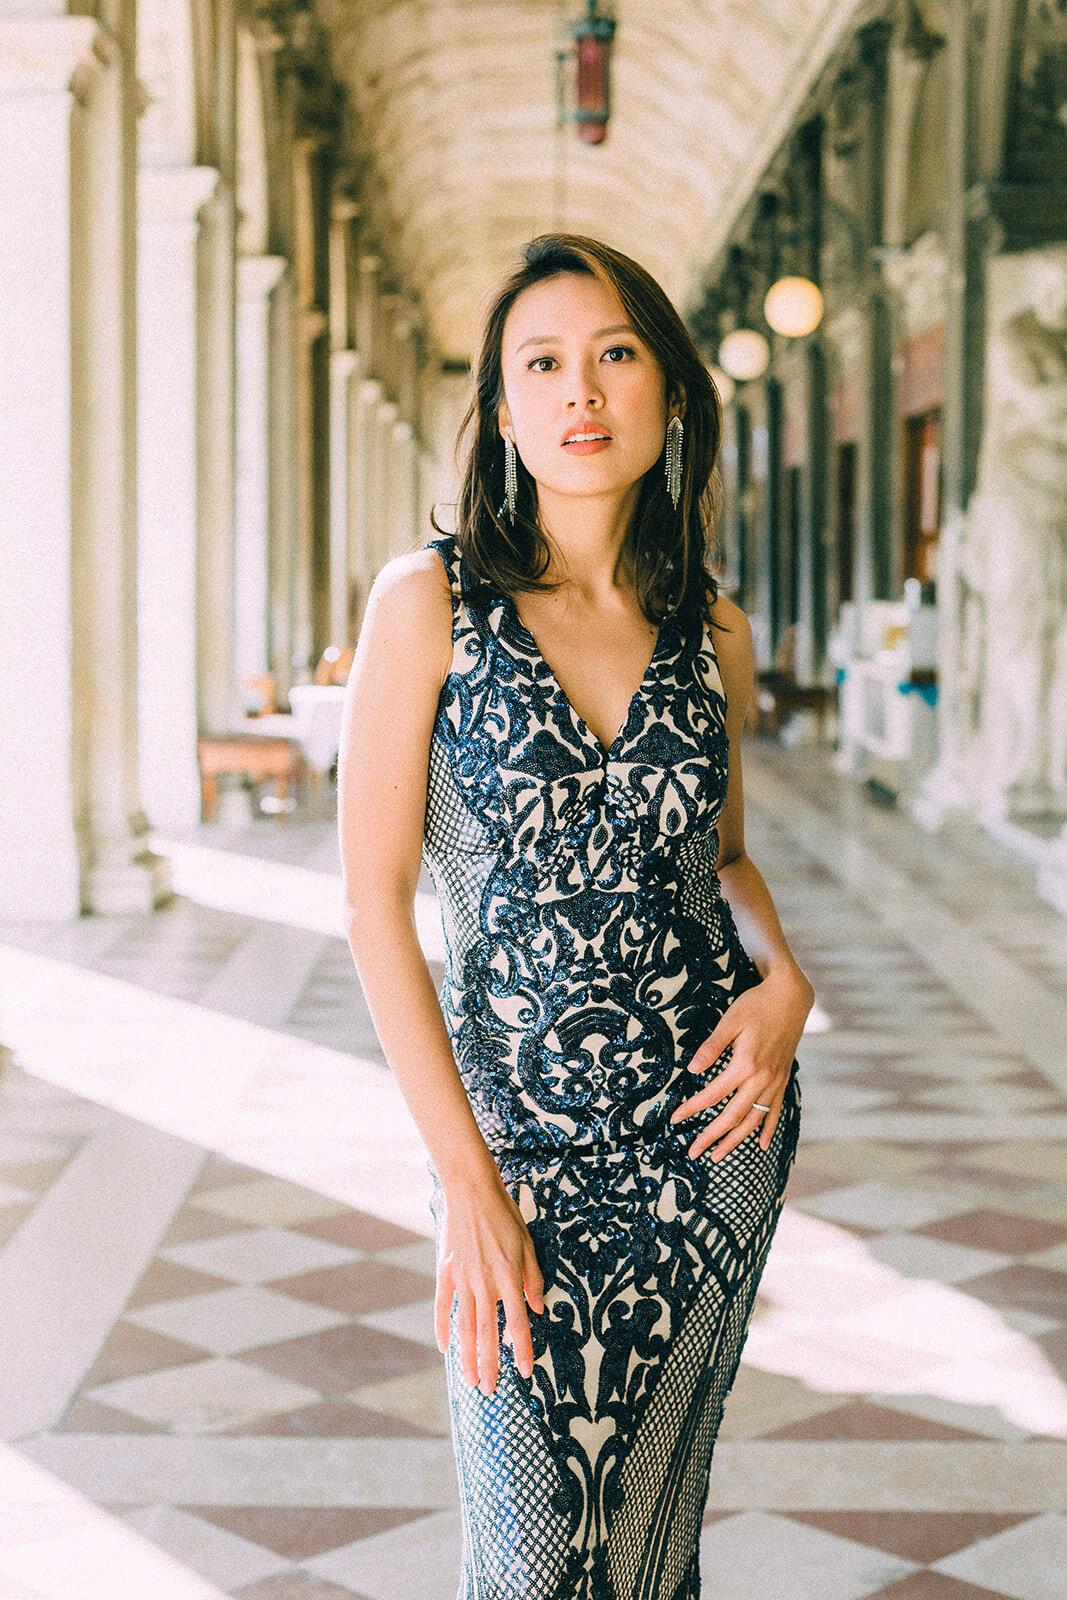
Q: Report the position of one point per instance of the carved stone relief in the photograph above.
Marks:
(1013, 557)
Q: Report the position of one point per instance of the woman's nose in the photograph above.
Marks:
(585, 394)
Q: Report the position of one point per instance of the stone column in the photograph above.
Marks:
(216, 451)
(170, 201)
(404, 489)
(344, 376)
(365, 464)
(281, 555)
(257, 277)
(45, 64)
(384, 484)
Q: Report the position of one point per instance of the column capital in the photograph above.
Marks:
(174, 194)
(51, 55)
(258, 276)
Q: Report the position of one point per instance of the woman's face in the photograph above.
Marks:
(585, 399)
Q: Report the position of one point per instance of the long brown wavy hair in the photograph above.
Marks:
(668, 550)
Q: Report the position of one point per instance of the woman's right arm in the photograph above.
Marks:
(486, 1255)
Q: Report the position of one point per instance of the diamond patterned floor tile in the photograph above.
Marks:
(269, 1202)
(130, 1350)
(922, 1536)
(358, 1287)
(1028, 1287)
(296, 1586)
(776, 1558)
(341, 1359)
(221, 1557)
(259, 1255)
(237, 1318)
(1002, 1232)
(929, 1585)
(207, 1397)
(1027, 1562)
(419, 1561)
(884, 1206)
(358, 1230)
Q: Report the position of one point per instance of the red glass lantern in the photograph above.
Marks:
(593, 36)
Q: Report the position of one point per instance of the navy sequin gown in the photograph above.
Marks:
(590, 952)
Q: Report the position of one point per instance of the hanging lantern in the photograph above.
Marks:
(593, 37)
(744, 354)
(793, 307)
(723, 383)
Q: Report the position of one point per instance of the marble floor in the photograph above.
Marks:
(216, 1278)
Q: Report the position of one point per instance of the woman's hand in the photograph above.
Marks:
(762, 1030)
(486, 1258)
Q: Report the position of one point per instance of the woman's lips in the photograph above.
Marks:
(586, 447)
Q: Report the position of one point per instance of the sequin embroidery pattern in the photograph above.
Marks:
(590, 952)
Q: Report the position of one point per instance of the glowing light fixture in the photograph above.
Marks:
(593, 37)
(744, 354)
(793, 307)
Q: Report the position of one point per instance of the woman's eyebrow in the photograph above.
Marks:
(554, 338)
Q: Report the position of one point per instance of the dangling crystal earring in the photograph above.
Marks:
(675, 433)
(511, 479)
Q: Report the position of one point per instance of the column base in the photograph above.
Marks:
(127, 888)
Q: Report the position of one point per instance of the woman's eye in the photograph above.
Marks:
(542, 364)
(617, 352)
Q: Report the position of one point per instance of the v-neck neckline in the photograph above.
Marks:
(604, 751)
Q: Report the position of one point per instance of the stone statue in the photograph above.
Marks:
(1014, 559)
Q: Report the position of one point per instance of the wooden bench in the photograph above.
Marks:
(261, 758)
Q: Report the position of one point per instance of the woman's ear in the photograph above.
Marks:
(676, 404)
(503, 422)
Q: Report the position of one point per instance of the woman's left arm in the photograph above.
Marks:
(764, 1024)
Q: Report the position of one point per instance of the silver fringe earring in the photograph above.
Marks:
(675, 434)
(511, 479)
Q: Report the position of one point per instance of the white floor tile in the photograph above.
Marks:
(884, 1205)
(916, 1256)
(241, 1318)
(206, 1396)
(257, 1255)
(754, 1556)
(1028, 1562)
(413, 1321)
(417, 1561)
(215, 1553)
(269, 1202)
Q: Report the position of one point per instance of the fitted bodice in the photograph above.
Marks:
(590, 950)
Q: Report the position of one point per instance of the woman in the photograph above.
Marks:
(550, 705)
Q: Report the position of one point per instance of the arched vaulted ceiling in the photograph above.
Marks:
(457, 101)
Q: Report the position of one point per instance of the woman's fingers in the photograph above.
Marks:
(444, 1300)
(488, 1346)
(533, 1284)
(467, 1331)
(728, 1139)
(718, 1041)
(770, 1121)
(518, 1327)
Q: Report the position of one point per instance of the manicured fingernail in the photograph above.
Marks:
(526, 1368)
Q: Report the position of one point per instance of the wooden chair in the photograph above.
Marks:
(778, 694)
(261, 758)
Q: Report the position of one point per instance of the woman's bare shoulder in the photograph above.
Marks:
(410, 609)
(733, 631)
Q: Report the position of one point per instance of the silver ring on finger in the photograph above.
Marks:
(756, 1106)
